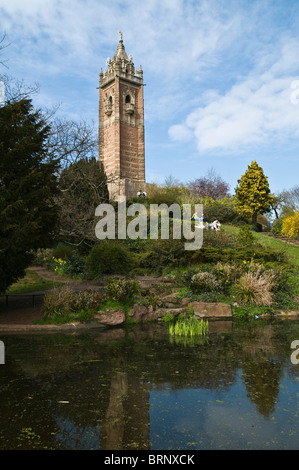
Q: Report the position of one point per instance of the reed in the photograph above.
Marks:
(188, 327)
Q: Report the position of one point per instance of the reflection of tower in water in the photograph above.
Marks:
(126, 422)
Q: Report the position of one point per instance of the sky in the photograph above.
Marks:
(222, 76)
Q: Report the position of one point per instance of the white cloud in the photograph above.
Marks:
(254, 110)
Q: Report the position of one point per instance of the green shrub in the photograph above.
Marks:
(65, 300)
(183, 278)
(224, 210)
(213, 255)
(62, 251)
(245, 236)
(109, 257)
(164, 253)
(205, 282)
(43, 256)
(276, 227)
(75, 265)
(122, 289)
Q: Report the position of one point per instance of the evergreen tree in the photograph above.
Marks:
(253, 193)
(28, 215)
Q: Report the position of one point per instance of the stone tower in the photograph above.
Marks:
(121, 125)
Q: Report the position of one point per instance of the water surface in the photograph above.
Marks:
(137, 388)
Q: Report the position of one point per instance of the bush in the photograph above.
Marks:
(223, 210)
(290, 226)
(164, 253)
(62, 251)
(245, 236)
(276, 227)
(205, 282)
(109, 257)
(226, 255)
(43, 256)
(64, 300)
(75, 265)
(256, 287)
(121, 289)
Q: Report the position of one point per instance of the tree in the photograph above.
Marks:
(83, 187)
(28, 214)
(253, 193)
(290, 225)
(212, 186)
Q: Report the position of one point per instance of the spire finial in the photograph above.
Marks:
(120, 35)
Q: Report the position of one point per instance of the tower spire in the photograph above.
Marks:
(120, 51)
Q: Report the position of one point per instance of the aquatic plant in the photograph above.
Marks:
(188, 326)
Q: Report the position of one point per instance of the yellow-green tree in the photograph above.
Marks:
(290, 225)
(253, 195)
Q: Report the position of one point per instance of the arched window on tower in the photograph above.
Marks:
(129, 105)
(109, 106)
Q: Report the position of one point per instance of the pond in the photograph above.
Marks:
(139, 389)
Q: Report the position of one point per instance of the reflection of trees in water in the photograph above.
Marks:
(261, 375)
(107, 383)
(262, 380)
(113, 428)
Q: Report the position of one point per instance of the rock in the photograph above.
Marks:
(161, 312)
(139, 312)
(185, 302)
(171, 300)
(152, 314)
(210, 310)
(110, 317)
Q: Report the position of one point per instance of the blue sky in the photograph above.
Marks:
(222, 77)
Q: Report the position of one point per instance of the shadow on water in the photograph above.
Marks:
(139, 388)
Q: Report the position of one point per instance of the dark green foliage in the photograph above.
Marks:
(75, 265)
(224, 211)
(213, 255)
(245, 236)
(28, 215)
(276, 227)
(122, 290)
(62, 251)
(109, 257)
(164, 253)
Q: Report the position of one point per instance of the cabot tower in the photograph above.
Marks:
(121, 125)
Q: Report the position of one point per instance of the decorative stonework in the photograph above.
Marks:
(121, 124)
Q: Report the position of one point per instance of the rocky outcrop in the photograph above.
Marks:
(110, 317)
(142, 313)
(171, 301)
(169, 304)
(211, 310)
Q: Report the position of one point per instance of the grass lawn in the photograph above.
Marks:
(31, 282)
(291, 251)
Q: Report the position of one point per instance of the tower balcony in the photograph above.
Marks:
(129, 108)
